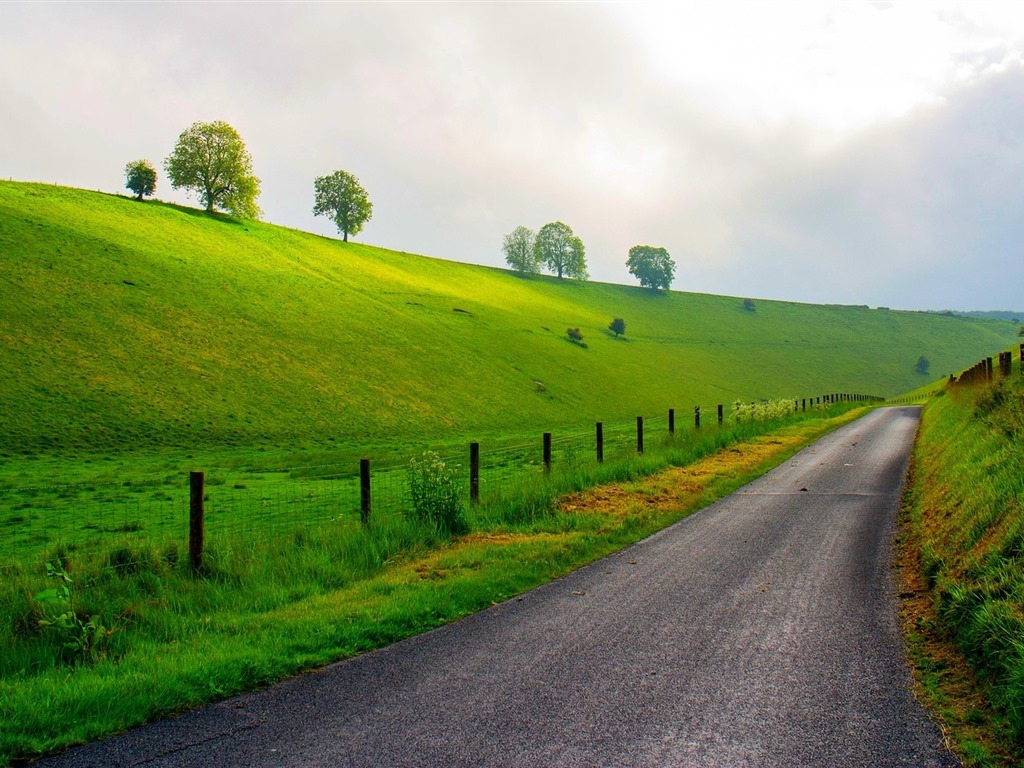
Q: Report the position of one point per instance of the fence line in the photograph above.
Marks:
(118, 526)
(983, 371)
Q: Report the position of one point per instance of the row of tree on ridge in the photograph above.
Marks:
(557, 248)
(211, 161)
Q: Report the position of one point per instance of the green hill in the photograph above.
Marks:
(136, 325)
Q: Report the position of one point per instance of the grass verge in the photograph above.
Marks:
(188, 641)
(962, 558)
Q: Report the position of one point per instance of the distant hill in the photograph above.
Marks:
(127, 324)
(1014, 317)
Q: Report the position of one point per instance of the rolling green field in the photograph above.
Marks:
(133, 326)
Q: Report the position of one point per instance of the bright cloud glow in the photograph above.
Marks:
(839, 67)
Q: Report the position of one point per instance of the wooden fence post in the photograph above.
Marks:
(547, 451)
(720, 414)
(639, 435)
(600, 442)
(696, 417)
(474, 472)
(364, 491)
(671, 421)
(196, 483)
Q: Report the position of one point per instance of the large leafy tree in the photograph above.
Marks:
(210, 159)
(653, 267)
(558, 248)
(519, 253)
(342, 199)
(140, 178)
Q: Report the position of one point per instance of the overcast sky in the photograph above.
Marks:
(828, 152)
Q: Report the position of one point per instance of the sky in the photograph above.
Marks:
(825, 152)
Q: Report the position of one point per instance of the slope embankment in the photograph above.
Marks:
(967, 528)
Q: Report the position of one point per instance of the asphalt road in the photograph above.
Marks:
(761, 631)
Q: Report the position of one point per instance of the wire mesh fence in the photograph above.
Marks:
(145, 519)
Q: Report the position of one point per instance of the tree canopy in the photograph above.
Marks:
(558, 248)
(653, 267)
(140, 178)
(618, 326)
(211, 160)
(343, 200)
(519, 253)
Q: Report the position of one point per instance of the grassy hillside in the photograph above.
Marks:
(129, 324)
(967, 527)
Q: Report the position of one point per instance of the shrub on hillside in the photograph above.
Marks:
(575, 335)
(435, 494)
(618, 326)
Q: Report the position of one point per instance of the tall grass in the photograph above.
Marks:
(966, 502)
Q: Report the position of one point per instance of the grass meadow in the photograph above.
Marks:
(133, 327)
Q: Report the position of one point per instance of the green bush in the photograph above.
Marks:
(575, 335)
(435, 494)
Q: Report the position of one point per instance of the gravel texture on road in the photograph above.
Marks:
(761, 631)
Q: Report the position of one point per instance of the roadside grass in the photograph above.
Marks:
(262, 612)
(963, 551)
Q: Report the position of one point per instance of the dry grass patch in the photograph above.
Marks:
(684, 488)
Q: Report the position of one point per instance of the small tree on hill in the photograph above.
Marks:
(575, 336)
(922, 364)
(519, 252)
(211, 160)
(342, 199)
(557, 247)
(749, 305)
(653, 267)
(140, 178)
(618, 326)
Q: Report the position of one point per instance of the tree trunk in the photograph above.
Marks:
(344, 236)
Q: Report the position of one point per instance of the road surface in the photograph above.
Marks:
(761, 631)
